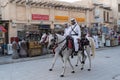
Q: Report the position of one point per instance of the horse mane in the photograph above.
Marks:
(60, 37)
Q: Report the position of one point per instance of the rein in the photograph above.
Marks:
(45, 38)
(56, 45)
(61, 41)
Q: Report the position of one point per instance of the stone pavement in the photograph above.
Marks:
(8, 59)
(105, 66)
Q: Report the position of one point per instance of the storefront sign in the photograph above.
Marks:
(40, 17)
(80, 19)
(62, 18)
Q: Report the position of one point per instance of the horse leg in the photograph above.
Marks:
(78, 58)
(54, 60)
(89, 57)
(83, 59)
(71, 65)
(62, 61)
(77, 62)
(64, 68)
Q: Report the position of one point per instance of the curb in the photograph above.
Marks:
(25, 59)
(10, 60)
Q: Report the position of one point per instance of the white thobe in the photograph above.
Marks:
(75, 37)
(67, 31)
(96, 41)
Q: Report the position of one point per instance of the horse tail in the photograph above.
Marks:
(92, 44)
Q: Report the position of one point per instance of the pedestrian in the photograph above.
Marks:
(15, 54)
(96, 40)
(23, 48)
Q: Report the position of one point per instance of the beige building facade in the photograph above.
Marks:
(22, 13)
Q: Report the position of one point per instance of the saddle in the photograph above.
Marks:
(70, 42)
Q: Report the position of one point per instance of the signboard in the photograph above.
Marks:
(62, 18)
(40, 17)
(80, 19)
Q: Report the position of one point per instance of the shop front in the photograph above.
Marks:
(32, 33)
(3, 36)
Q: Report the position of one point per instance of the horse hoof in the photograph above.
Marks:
(89, 69)
(91, 54)
(83, 62)
(82, 68)
(73, 72)
(50, 69)
(61, 75)
(76, 65)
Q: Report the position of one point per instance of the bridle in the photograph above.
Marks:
(44, 39)
(55, 40)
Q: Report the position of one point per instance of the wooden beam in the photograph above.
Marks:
(29, 2)
(33, 3)
(43, 3)
(12, 1)
(18, 1)
(23, 2)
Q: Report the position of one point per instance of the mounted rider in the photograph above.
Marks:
(75, 33)
(67, 29)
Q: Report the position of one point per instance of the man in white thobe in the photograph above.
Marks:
(96, 41)
(67, 30)
(75, 33)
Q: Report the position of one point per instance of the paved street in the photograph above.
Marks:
(105, 66)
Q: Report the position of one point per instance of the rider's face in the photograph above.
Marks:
(72, 22)
(66, 26)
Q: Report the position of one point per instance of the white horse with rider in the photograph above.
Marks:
(57, 43)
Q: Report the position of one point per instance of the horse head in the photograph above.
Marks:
(52, 41)
(44, 38)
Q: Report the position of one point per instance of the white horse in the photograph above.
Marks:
(89, 50)
(60, 41)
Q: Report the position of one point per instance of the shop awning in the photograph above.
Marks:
(2, 29)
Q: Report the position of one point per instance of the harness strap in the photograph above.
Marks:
(74, 30)
(61, 41)
(45, 38)
(54, 48)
